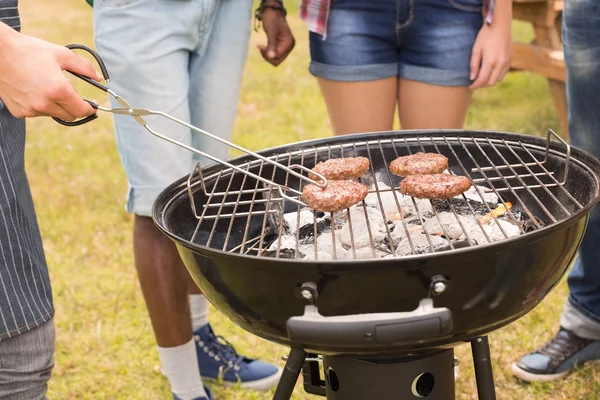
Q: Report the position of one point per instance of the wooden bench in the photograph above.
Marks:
(544, 56)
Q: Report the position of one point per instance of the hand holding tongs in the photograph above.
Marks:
(138, 113)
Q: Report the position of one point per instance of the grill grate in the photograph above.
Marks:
(235, 200)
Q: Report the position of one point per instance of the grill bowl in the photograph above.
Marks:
(488, 286)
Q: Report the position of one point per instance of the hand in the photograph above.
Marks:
(31, 79)
(280, 40)
(491, 56)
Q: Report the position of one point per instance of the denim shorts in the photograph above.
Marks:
(184, 58)
(428, 41)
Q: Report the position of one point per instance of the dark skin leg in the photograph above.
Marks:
(165, 283)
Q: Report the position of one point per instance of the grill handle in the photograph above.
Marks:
(424, 322)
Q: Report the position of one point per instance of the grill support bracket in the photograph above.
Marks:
(429, 376)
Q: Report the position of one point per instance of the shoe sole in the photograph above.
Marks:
(531, 377)
(259, 384)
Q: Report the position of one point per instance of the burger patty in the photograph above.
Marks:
(438, 186)
(419, 164)
(338, 195)
(341, 168)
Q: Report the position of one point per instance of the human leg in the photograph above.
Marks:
(26, 363)
(578, 339)
(216, 69)
(355, 107)
(357, 65)
(425, 106)
(146, 47)
(435, 56)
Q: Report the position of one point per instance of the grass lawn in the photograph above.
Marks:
(105, 346)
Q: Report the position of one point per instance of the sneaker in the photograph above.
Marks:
(557, 358)
(208, 393)
(218, 359)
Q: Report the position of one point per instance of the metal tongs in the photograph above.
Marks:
(138, 113)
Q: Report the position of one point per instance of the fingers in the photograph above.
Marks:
(492, 72)
(64, 94)
(49, 108)
(475, 61)
(496, 75)
(484, 75)
(68, 60)
(70, 100)
(284, 45)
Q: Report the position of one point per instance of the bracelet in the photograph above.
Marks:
(259, 11)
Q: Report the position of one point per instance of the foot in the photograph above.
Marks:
(219, 360)
(208, 396)
(557, 358)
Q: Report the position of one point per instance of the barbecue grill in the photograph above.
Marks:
(384, 327)
(379, 293)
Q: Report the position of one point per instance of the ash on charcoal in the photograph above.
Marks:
(283, 253)
(360, 229)
(461, 206)
(365, 253)
(325, 243)
(309, 254)
(398, 231)
(390, 200)
(472, 194)
(446, 224)
(306, 233)
(423, 206)
(421, 244)
(307, 216)
(493, 231)
(287, 242)
(526, 223)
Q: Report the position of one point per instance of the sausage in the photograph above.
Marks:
(338, 195)
(341, 168)
(435, 186)
(419, 164)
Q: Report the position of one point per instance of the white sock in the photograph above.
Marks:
(180, 365)
(198, 311)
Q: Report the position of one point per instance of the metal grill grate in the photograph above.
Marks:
(235, 200)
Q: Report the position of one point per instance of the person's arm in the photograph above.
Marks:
(31, 79)
(280, 40)
(492, 51)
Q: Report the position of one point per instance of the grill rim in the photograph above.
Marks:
(174, 192)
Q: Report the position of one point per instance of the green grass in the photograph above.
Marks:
(105, 347)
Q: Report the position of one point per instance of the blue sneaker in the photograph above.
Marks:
(557, 358)
(218, 359)
(208, 393)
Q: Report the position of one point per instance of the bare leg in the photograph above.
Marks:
(192, 287)
(164, 282)
(356, 107)
(425, 106)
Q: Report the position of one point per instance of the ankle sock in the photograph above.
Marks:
(180, 365)
(198, 311)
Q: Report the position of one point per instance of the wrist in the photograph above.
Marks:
(265, 5)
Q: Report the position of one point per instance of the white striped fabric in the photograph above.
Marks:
(25, 292)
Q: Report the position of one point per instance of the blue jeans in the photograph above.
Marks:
(428, 41)
(184, 58)
(581, 37)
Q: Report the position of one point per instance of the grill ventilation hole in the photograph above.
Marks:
(423, 385)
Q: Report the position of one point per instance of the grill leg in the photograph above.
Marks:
(483, 368)
(290, 374)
